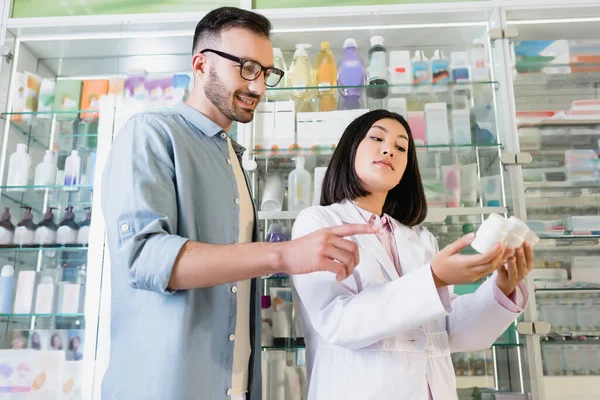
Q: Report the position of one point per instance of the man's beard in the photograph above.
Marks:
(223, 99)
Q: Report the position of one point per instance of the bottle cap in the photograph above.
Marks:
(350, 43)
(377, 41)
(7, 270)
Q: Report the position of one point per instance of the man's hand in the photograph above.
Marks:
(324, 250)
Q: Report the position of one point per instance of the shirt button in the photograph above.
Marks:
(125, 228)
(234, 289)
(229, 161)
(231, 338)
(237, 201)
(223, 135)
(229, 392)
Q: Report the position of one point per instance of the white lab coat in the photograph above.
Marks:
(378, 336)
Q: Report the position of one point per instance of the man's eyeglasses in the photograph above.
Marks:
(250, 70)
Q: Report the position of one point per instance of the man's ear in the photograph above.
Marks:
(199, 65)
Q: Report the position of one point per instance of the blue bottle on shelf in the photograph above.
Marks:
(7, 285)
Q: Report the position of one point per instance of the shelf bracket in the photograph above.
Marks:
(498, 33)
(533, 328)
(508, 158)
(6, 53)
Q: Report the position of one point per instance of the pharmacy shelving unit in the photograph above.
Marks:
(82, 47)
(555, 185)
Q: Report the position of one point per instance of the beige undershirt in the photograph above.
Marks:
(242, 348)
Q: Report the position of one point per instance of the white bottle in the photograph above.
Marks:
(18, 169)
(493, 230)
(83, 236)
(72, 171)
(44, 297)
(461, 127)
(25, 232)
(25, 290)
(479, 67)
(68, 229)
(401, 72)
(436, 124)
(45, 172)
(299, 187)
(7, 229)
(46, 230)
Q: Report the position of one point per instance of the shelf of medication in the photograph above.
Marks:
(38, 248)
(301, 347)
(67, 188)
(39, 315)
(435, 214)
(322, 150)
(419, 88)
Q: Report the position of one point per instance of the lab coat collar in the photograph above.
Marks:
(410, 251)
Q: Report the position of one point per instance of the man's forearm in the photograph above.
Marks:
(202, 265)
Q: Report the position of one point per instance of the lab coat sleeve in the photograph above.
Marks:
(478, 319)
(348, 317)
(139, 204)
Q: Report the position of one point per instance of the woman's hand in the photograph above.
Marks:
(451, 268)
(518, 267)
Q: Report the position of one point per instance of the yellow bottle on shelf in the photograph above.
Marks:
(299, 78)
(326, 78)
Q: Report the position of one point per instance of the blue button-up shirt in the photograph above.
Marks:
(167, 181)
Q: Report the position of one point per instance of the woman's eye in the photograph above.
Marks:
(401, 149)
(375, 138)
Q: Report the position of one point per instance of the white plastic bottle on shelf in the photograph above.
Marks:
(7, 229)
(72, 171)
(45, 233)
(25, 232)
(401, 73)
(299, 191)
(279, 93)
(84, 228)
(68, 229)
(45, 172)
(18, 169)
(479, 65)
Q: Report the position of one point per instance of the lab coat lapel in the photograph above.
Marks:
(411, 251)
(349, 214)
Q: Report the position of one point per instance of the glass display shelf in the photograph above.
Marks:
(559, 290)
(434, 213)
(328, 150)
(568, 237)
(66, 188)
(53, 112)
(591, 186)
(34, 248)
(66, 136)
(302, 347)
(52, 315)
(493, 84)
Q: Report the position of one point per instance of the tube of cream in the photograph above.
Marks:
(451, 175)
(468, 185)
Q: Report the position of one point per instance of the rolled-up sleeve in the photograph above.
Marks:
(139, 203)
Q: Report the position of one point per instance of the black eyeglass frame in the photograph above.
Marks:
(242, 61)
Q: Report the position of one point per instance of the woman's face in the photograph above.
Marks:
(382, 156)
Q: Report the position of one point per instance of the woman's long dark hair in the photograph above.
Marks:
(406, 202)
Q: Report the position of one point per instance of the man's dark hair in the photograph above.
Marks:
(222, 19)
(406, 202)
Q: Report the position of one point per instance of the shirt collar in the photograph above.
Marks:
(207, 126)
(373, 218)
